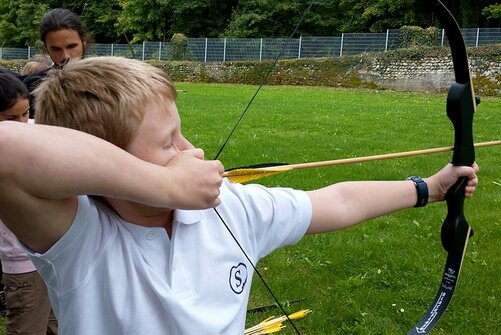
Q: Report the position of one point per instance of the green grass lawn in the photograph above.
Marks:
(377, 278)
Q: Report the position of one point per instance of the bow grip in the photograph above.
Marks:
(460, 110)
(455, 226)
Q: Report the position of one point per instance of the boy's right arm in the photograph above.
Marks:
(44, 168)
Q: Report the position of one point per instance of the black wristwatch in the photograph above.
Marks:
(422, 191)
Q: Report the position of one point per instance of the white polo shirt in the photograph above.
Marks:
(108, 276)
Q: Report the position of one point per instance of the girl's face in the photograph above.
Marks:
(20, 111)
(63, 45)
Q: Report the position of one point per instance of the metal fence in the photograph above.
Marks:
(260, 49)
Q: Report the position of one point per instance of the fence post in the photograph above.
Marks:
(387, 37)
(443, 36)
(1, 53)
(144, 46)
(160, 50)
(261, 50)
(205, 55)
(478, 33)
(341, 48)
(299, 49)
(224, 50)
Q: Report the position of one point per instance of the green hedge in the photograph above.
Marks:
(13, 65)
(413, 36)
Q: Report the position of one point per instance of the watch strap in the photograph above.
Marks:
(422, 191)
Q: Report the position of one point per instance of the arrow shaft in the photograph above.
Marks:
(363, 159)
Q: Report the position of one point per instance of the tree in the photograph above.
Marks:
(202, 18)
(111, 21)
(386, 14)
(492, 14)
(258, 18)
(159, 19)
(19, 22)
(267, 18)
(468, 13)
(147, 20)
(101, 19)
(379, 15)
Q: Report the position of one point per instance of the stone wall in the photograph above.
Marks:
(431, 73)
(425, 70)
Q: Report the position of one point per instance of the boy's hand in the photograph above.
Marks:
(439, 183)
(197, 180)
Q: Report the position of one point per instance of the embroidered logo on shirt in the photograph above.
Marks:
(238, 278)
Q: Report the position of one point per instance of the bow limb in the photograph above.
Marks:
(461, 105)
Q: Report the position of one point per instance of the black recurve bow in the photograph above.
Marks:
(461, 104)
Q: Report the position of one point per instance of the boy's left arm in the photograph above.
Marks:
(345, 204)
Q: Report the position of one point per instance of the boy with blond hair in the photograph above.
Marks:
(102, 216)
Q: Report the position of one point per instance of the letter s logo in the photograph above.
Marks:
(238, 278)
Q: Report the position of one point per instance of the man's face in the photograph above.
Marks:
(20, 111)
(159, 138)
(62, 45)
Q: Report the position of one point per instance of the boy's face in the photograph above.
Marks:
(20, 111)
(63, 45)
(158, 138)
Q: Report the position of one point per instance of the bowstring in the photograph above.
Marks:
(258, 273)
(263, 81)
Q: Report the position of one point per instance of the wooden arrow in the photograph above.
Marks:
(242, 175)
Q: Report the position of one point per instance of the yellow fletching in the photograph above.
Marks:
(300, 314)
(268, 319)
(245, 175)
(272, 329)
(273, 324)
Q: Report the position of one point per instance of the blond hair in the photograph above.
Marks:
(102, 96)
(37, 63)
